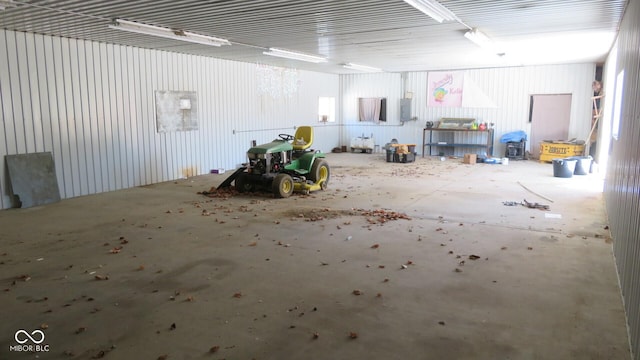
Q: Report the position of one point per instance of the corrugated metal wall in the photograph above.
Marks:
(92, 105)
(622, 186)
(509, 88)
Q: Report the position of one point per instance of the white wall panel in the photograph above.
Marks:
(92, 105)
(622, 187)
(387, 85)
(509, 88)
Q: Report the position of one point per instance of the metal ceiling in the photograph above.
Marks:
(388, 34)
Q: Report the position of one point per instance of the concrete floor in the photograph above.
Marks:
(163, 272)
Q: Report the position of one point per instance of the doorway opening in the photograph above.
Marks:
(549, 115)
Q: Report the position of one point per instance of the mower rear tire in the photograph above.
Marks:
(282, 186)
(320, 173)
(243, 184)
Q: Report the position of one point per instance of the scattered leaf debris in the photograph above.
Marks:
(214, 349)
(353, 335)
(116, 250)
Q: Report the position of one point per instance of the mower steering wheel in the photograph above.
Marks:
(286, 137)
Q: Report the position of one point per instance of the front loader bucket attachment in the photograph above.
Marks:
(229, 180)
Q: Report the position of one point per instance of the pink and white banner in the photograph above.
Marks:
(444, 88)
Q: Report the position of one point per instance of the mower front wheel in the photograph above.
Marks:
(320, 173)
(243, 184)
(282, 186)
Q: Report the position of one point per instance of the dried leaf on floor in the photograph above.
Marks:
(353, 335)
(474, 257)
(81, 330)
(214, 349)
(237, 295)
(375, 246)
(115, 250)
(101, 277)
(357, 292)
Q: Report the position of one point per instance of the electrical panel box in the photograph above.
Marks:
(405, 110)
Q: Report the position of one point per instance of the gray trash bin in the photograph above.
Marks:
(583, 164)
(564, 168)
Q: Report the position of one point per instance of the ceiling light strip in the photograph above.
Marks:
(479, 38)
(433, 9)
(294, 55)
(140, 28)
(359, 67)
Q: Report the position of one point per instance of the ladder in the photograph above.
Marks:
(596, 117)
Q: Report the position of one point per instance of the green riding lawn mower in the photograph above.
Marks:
(285, 165)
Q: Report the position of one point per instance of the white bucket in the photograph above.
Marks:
(505, 161)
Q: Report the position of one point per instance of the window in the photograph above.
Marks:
(372, 109)
(617, 105)
(326, 109)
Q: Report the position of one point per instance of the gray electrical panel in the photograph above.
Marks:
(405, 110)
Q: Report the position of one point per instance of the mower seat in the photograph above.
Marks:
(303, 138)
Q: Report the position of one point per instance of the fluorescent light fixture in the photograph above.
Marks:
(479, 38)
(288, 54)
(433, 9)
(181, 35)
(358, 67)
